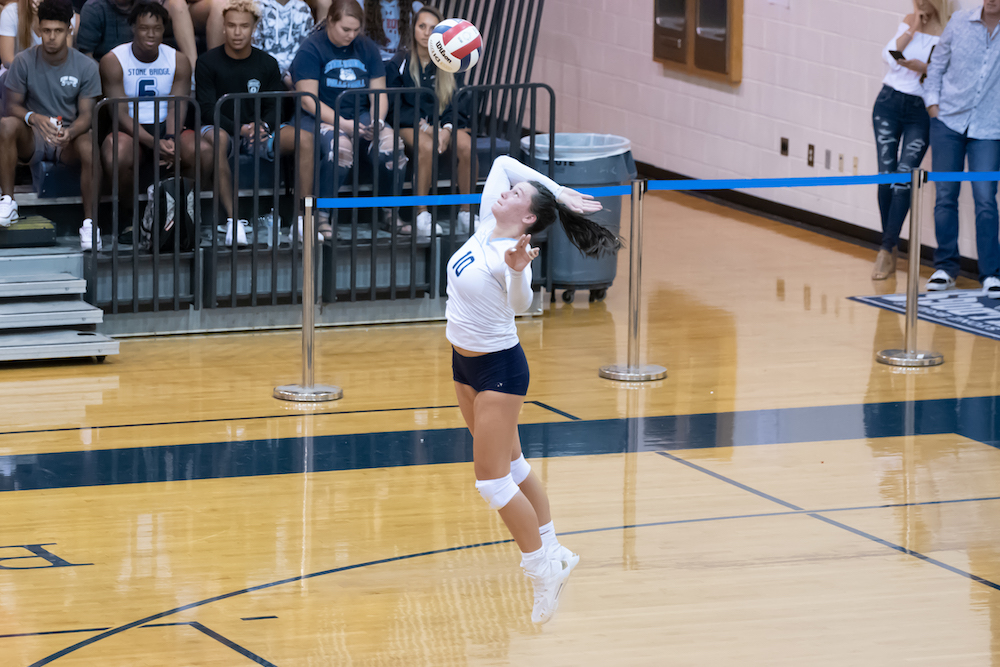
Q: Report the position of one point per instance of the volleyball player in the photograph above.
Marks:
(489, 281)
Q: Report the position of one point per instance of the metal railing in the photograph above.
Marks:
(279, 287)
(142, 295)
(419, 282)
(361, 261)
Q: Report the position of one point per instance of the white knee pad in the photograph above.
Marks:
(519, 469)
(497, 492)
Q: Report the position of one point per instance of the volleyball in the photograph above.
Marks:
(455, 45)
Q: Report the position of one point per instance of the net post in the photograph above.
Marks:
(910, 356)
(633, 371)
(308, 391)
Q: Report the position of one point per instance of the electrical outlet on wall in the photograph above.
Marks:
(855, 165)
(829, 158)
(811, 155)
(840, 163)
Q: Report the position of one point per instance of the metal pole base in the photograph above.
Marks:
(314, 394)
(910, 359)
(633, 373)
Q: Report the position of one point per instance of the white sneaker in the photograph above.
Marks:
(462, 222)
(87, 236)
(241, 232)
(562, 553)
(940, 281)
(991, 287)
(424, 225)
(8, 211)
(319, 221)
(548, 585)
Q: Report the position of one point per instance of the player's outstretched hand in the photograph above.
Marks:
(578, 202)
(521, 254)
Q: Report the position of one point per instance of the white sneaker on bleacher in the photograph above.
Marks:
(241, 232)
(319, 220)
(424, 225)
(462, 222)
(8, 211)
(87, 236)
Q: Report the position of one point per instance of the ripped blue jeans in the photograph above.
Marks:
(901, 122)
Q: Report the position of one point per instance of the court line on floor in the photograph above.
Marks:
(109, 632)
(226, 419)
(208, 632)
(816, 515)
(558, 412)
(236, 419)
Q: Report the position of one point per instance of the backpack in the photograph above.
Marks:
(167, 216)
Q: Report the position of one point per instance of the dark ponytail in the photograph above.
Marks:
(592, 239)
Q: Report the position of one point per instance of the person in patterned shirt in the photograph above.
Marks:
(283, 25)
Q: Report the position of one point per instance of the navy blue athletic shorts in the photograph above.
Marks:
(505, 371)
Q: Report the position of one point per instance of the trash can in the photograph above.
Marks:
(584, 160)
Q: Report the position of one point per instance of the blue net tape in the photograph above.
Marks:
(661, 186)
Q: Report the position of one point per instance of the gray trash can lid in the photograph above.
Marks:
(578, 146)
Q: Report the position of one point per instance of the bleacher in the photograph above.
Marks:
(365, 273)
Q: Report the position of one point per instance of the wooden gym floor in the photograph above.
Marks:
(779, 499)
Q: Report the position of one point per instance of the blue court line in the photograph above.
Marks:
(662, 186)
(552, 409)
(816, 515)
(235, 419)
(53, 632)
(114, 631)
(219, 638)
(908, 552)
(975, 418)
(281, 416)
(728, 480)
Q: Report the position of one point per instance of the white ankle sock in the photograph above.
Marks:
(548, 534)
(535, 561)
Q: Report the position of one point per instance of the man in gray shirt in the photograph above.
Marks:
(50, 102)
(962, 94)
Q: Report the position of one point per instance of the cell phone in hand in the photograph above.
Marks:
(898, 55)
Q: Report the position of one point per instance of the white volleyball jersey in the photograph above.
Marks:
(480, 317)
(483, 293)
(147, 79)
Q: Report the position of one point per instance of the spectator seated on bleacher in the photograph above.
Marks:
(407, 70)
(337, 59)
(19, 29)
(146, 67)
(104, 24)
(238, 67)
(388, 23)
(50, 91)
(283, 26)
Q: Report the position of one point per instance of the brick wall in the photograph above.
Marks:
(811, 72)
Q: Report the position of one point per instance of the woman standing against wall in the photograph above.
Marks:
(902, 126)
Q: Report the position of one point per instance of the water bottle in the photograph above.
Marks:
(265, 224)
